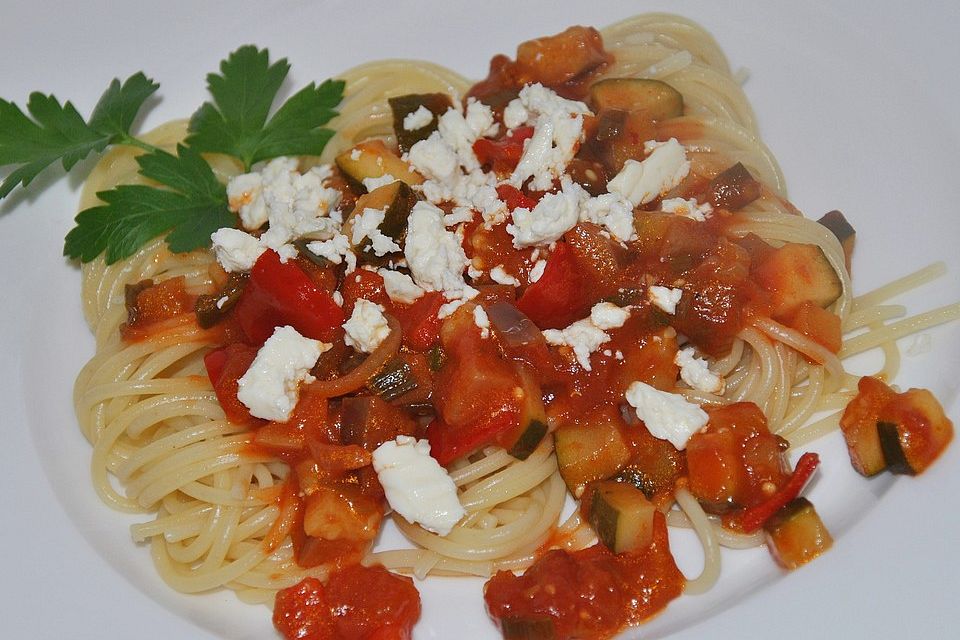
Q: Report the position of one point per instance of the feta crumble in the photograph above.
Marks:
(689, 208)
(498, 275)
(337, 249)
(367, 326)
(372, 184)
(537, 271)
(695, 372)
(367, 225)
(271, 386)
(417, 119)
(400, 287)
(416, 486)
(557, 133)
(235, 250)
(434, 254)
(585, 336)
(662, 170)
(611, 211)
(554, 215)
(667, 416)
(482, 320)
(665, 298)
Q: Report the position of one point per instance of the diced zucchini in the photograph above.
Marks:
(539, 628)
(372, 159)
(591, 450)
(621, 516)
(845, 233)
(733, 188)
(211, 309)
(533, 419)
(656, 99)
(393, 380)
(402, 106)
(796, 534)
(913, 431)
(396, 200)
(858, 424)
(795, 273)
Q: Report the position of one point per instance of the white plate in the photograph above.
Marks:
(860, 108)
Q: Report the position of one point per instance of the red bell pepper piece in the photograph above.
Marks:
(502, 155)
(558, 297)
(449, 443)
(419, 321)
(279, 294)
(225, 366)
(514, 198)
(752, 519)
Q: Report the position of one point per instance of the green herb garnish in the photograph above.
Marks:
(188, 203)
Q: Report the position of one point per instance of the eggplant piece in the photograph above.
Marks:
(393, 380)
(733, 188)
(372, 159)
(621, 516)
(211, 309)
(658, 100)
(796, 535)
(402, 106)
(843, 230)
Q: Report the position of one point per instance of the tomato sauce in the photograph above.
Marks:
(588, 594)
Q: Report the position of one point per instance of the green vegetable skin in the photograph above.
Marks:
(190, 202)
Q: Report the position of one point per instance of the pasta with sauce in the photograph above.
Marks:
(223, 512)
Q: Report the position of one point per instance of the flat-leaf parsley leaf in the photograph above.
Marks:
(237, 124)
(192, 207)
(58, 132)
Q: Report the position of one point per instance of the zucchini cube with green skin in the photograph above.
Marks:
(658, 100)
(913, 431)
(372, 159)
(402, 106)
(396, 200)
(796, 534)
(533, 418)
(528, 628)
(621, 515)
(795, 273)
(592, 450)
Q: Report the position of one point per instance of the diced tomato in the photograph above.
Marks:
(514, 198)
(225, 366)
(281, 294)
(365, 284)
(753, 518)
(149, 304)
(419, 321)
(356, 603)
(502, 155)
(558, 297)
(734, 462)
(449, 443)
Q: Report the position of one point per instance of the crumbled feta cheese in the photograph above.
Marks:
(337, 298)
(235, 250)
(668, 416)
(665, 298)
(689, 208)
(337, 249)
(468, 293)
(367, 225)
(611, 211)
(372, 184)
(417, 119)
(476, 191)
(367, 326)
(436, 258)
(244, 197)
(498, 275)
(537, 271)
(355, 154)
(459, 215)
(557, 133)
(416, 486)
(662, 170)
(399, 286)
(221, 301)
(270, 387)
(607, 315)
(515, 114)
(479, 118)
(434, 158)
(554, 215)
(694, 372)
(482, 320)
(585, 336)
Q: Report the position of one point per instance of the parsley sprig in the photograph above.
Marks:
(187, 203)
